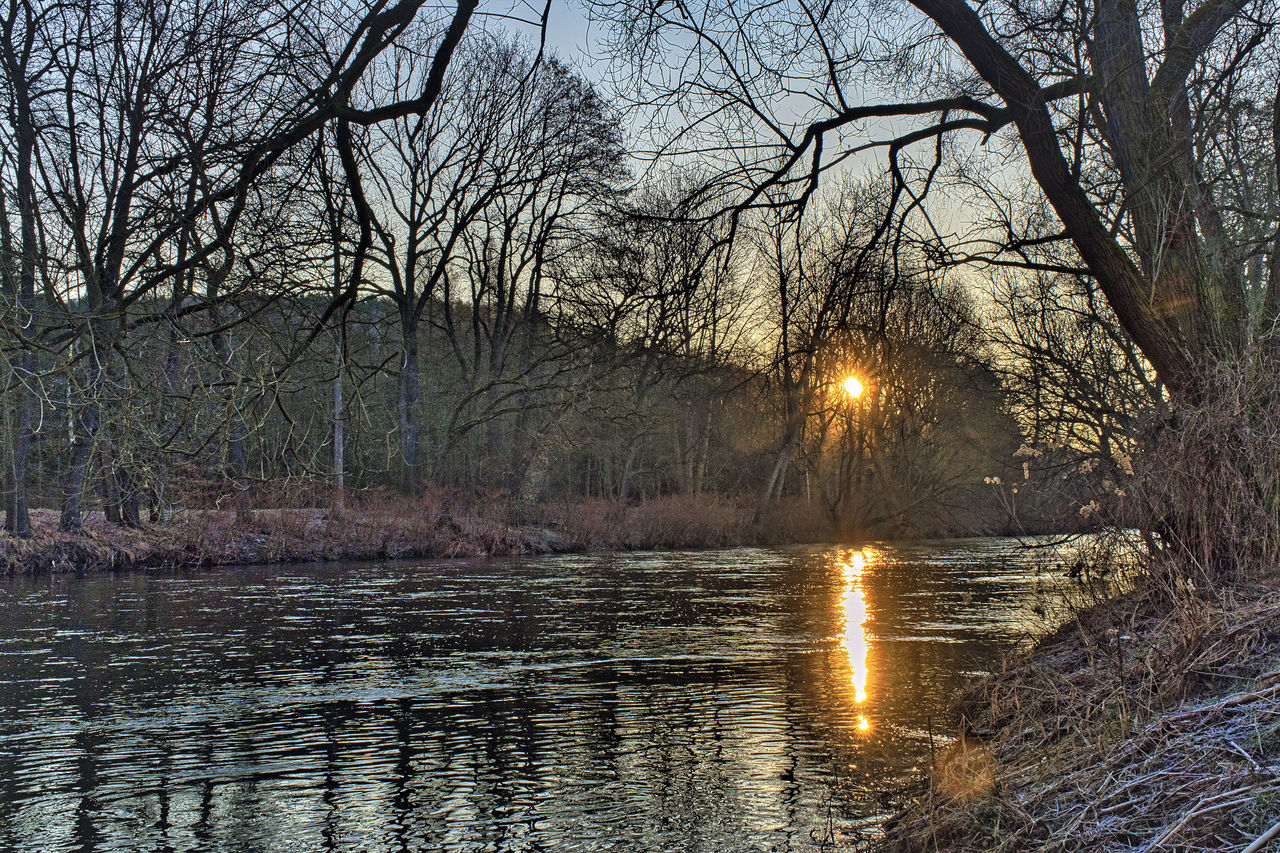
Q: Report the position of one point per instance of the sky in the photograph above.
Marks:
(568, 31)
(573, 38)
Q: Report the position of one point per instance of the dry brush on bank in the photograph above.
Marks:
(376, 527)
(1150, 723)
(382, 525)
(684, 521)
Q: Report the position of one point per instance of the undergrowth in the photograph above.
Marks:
(1148, 723)
(380, 524)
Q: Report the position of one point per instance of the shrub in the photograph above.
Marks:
(1210, 483)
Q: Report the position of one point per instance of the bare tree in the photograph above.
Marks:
(1120, 111)
(1074, 376)
(24, 60)
(145, 141)
(473, 200)
(818, 268)
(667, 307)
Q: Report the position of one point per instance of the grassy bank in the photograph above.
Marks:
(1151, 722)
(381, 526)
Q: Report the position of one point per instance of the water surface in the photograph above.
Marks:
(745, 699)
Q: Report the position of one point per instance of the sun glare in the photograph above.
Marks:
(853, 387)
(853, 606)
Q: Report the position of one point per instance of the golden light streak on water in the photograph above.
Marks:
(853, 604)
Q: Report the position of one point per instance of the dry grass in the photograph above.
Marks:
(372, 525)
(682, 521)
(378, 524)
(1151, 723)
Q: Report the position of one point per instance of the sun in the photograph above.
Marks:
(853, 387)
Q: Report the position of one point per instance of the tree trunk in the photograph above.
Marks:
(498, 466)
(535, 475)
(84, 434)
(339, 425)
(120, 487)
(624, 486)
(407, 406)
(238, 467)
(107, 483)
(773, 486)
(17, 518)
(703, 456)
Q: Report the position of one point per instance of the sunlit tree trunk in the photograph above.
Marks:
(776, 481)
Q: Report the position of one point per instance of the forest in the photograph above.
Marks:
(275, 258)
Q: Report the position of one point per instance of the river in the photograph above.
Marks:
(734, 700)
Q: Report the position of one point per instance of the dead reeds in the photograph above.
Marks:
(305, 524)
(682, 521)
(1148, 724)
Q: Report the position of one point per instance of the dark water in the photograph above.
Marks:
(734, 700)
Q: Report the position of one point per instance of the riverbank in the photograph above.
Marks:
(381, 526)
(1151, 722)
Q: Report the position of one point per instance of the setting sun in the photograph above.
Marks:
(853, 387)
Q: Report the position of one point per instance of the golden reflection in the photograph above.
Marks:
(853, 603)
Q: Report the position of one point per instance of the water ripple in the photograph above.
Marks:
(688, 701)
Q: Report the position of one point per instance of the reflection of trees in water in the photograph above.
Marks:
(86, 765)
(655, 757)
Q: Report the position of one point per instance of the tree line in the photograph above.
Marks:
(245, 247)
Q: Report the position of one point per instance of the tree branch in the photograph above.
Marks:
(1188, 43)
(1125, 286)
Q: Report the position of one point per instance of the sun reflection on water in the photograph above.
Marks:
(853, 604)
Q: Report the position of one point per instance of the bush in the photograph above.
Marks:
(1210, 483)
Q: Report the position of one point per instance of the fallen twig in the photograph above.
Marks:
(1263, 839)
